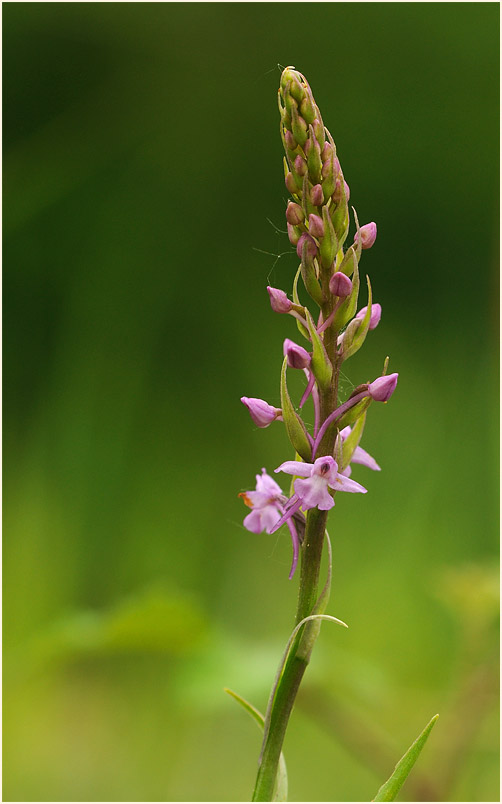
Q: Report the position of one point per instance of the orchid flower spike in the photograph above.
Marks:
(260, 411)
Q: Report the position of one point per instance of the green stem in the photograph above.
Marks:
(296, 664)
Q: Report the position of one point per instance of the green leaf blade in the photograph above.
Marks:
(294, 424)
(392, 786)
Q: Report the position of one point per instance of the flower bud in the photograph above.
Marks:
(260, 411)
(298, 126)
(294, 234)
(300, 165)
(319, 132)
(294, 214)
(307, 109)
(290, 141)
(338, 193)
(340, 285)
(291, 184)
(279, 300)
(382, 388)
(368, 234)
(330, 167)
(376, 314)
(326, 151)
(313, 152)
(317, 195)
(295, 87)
(297, 356)
(316, 226)
(311, 245)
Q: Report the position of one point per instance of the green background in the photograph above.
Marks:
(143, 217)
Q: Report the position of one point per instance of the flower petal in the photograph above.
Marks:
(314, 493)
(252, 522)
(269, 516)
(267, 485)
(296, 468)
(345, 484)
(361, 456)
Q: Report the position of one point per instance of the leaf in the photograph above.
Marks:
(285, 656)
(310, 280)
(321, 364)
(294, 425)
(352, 441)
(296, 300)
(352, 415)
(392, 786)
(356, 332)
(281, 784)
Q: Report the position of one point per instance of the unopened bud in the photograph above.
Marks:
(368, 234)
(340, 285)
(296, 88)
(300, 165)
(279, 301)
(316, 226)
(376, 314)
(260, 411)
(319, 132)
(294, 214)
(331, 167)
(327, 151)
(317, 195)
(311, 245)
(290, 141)
(294, 234)
(338, 193)
(297, 356)
(291, 184)
(298, 127)
(307, 109)
(382, 388)
(313, 151)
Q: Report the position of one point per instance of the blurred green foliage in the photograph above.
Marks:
(143, 216)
